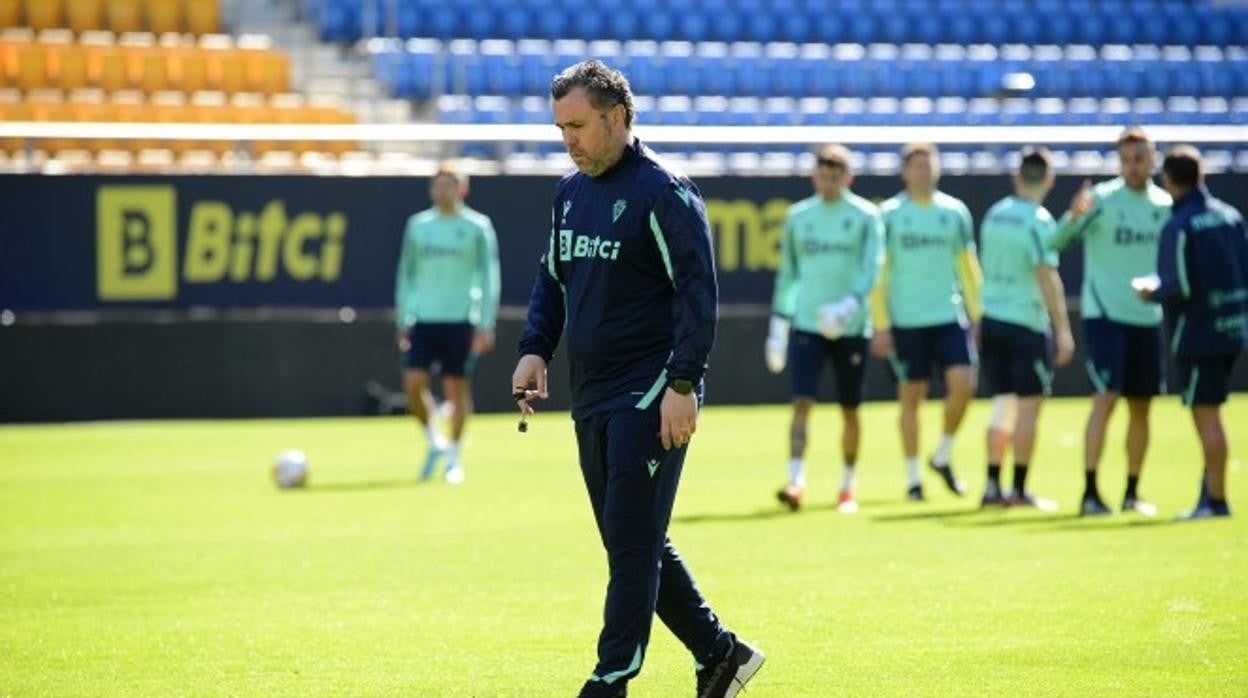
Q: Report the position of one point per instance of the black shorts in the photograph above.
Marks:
(1126, 359)
(808, 352)
(916, 349)
(1205, 381)
(1015, 359)
(443, 345)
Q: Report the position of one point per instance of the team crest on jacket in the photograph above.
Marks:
(618, 209)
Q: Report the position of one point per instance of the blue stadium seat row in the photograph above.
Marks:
(707, 111)
(420, 75)
(936, 22)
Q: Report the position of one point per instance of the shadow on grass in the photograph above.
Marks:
(775, 512)
(1079, 523)
(362, 486)
(939, 514)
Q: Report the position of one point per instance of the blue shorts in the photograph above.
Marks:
(1205, 381)
(916, 349)
(808, 352)
(1126, 359)
(1015, 359)
(444, 345)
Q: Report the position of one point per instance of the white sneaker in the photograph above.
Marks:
(455, 475)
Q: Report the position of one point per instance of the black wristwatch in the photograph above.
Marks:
(682, 386)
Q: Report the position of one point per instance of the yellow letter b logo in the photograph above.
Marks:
(136, 239)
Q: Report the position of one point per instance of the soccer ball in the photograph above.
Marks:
(291, 470)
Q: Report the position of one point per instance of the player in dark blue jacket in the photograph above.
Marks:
(629, 278)
(1202, 270)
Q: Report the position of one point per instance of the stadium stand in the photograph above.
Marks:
(148, 61)
(692, 62)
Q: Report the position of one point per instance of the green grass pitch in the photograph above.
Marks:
(158, 559)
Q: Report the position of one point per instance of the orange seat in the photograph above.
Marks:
(166, 113)
(90, 110)
(233, 71)
(73, 71)
(17, 111)
(32, 67)
(45, 14)
(268, 71)
(51, 109)
(163, 16)
(85, 15)
(203, 16)
(193, 74)
(210, 114)
(10, 54)
(124, 16)
(113, 74)
(10, 13)
(154, 75)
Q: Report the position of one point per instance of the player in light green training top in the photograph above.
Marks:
(1119, 223)
(924, 304)
(1024, 316)
(446, 301)
(829, 257)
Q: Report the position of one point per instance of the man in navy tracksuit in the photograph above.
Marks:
(629, 277)
(1202, 269)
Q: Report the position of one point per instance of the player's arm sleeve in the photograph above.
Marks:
(489, 276)
(784, 298)
(683, 236)
(404, 274)
(1070, 230)
(544, 324)
(970, 276)
(1172, 267)
(872, 258)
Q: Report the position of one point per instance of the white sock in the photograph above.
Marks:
(944, 450)
(452, 456)
(847, 478)
(797, 472)
(433, 433)
(912, 471)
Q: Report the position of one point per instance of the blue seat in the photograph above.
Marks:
(588, 24)
(830, 28)
(784, 77)
(550, 25)
(622, 25)
(693, 26)
(658, 26)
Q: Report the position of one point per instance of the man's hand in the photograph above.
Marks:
(1065, 348)
(482, 342)
(882, 343)
(1082, 201)
(529, 382)
(678, 418)
(402, 341)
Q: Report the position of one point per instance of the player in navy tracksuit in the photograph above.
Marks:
(629, 278)
(1202, 269)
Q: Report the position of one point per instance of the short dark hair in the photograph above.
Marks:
(1182, 166)
(1132, 135)
(1033, 168)
(605, 86)
(834, 155)
(913, 149)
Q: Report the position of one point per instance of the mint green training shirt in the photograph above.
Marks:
(830, 250)
(448, 270)
(1120, 236)
(1013, 242)
(922, 244)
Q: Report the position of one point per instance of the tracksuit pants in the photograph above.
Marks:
(632, 485)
